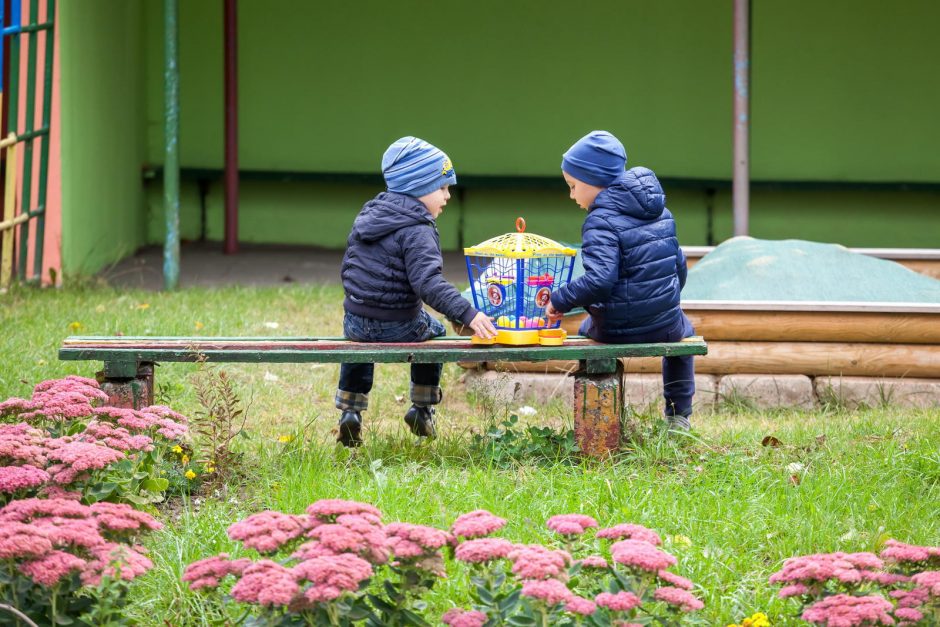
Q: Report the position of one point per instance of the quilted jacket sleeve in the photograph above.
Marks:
(600, 252)
(425, 268)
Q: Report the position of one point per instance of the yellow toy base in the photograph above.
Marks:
(544, 337)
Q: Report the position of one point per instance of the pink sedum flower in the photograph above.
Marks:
(121, 517)
(326, 510)
(902, 553)
(16, 478)
(581, 606)
(49, 569)
(19, 540)
(534, 561)
(928, 580)
(268, 531)
(793, 590)
(594, 561)
(570, 524)
(332, 576)
(483, 550)
(115, 560)
(77, 458)
(843, 567)
(458, 617)
(408, 541)
(843, 610)
(642, 555)
(551, 591)
(629, 531)
(675, 580)
(909, 614)
(354, 533)
(683, 599)
(208, 572)
(266, 583)
(477, 524)
(22, 444)
(622, 601)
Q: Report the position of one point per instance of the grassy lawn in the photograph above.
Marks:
(729, 508)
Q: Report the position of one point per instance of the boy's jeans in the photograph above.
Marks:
(678, 372)
(355, 380)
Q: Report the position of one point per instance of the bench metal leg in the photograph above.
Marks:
(132, 392)
(598, 405)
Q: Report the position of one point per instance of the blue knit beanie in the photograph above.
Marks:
(598, 159)
(414, 167)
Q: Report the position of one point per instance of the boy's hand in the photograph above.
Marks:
(553, 314)
(482, 326)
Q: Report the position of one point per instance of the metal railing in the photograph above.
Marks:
(20, 208)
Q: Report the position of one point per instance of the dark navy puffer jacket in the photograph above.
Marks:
(393, 262)
(633, 266)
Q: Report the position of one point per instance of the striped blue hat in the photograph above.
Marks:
(414, 167)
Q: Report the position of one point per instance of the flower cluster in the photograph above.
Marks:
(59, 450)
(315, 563)
(858, 588)
(49, 538)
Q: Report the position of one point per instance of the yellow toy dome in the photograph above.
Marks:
(519, 245)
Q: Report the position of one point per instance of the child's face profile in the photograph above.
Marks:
(581, 192)
(436, 200)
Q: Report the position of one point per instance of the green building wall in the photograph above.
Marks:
(103, 129)
(840, 93)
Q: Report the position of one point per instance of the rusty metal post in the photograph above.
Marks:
(133, 392)
(742, 75)
(598, 406)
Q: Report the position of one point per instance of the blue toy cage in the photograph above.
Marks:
(512, 277)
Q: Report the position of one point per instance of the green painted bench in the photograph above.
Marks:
(128, 371)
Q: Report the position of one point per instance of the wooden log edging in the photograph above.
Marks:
(807, 358)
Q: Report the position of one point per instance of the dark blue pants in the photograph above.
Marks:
(678, 372)
(355, 380)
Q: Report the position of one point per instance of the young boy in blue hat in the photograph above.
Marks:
(392, 263)
(633, 266)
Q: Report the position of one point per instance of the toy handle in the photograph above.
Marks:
(520, 224)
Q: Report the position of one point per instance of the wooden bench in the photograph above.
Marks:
(128, 371)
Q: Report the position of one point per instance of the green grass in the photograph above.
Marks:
(866, 475)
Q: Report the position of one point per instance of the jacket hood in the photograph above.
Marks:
(387, 213)
(636, 193)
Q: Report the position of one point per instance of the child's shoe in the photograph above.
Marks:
(350, 426)
(678, 422)
(420, 420)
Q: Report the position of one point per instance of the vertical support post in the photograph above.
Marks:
(46, 124)
(742, 74)
(171, 165)
(131, 392)
(26, 189)
(598, 405)
(230, 246)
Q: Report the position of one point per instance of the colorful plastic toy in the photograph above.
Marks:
(512, 277)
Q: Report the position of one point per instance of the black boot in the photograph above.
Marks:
(350, 425)
(421, 421)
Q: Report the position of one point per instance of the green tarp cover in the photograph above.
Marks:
(744, 268)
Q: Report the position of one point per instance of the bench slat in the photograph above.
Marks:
(329, 350)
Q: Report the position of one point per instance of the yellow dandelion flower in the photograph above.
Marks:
(76, 326)
(199, 325)
(760, 620)
(285, 439)
(177, 449)
(184, 459)
(143, 306)
(210, 468)
(190, 475)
